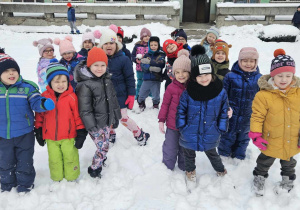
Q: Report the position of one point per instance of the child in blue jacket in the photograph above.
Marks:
(296, 18)
(18, 99)
(72, 18)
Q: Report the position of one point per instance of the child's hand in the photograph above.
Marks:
(130, 102)
(145, 60)
(80, 138)
(258, 140)
(47, 104)
(39, 136)
(229, 113)
(162, 127)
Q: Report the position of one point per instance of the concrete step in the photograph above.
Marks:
(195, 30)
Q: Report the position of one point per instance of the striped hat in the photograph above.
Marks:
(54, 69)
(7, 62)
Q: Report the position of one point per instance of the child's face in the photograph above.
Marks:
(283, 80)
(204, 79)
(298, 9)
(153, 46)
(68, 56)
(211, 38)
(220, 56)
(171, 48)
(109, 48)
(98, 68)
(180, 39)
(120, 39)
(146, 39)
(9, 76)
(48, 53)
(87, 44)
(248, 64)
(59, 83)
(181, 75)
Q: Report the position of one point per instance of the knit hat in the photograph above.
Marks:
(144, 32)
(120, 32)
(7, 62)
(282, 63)
(65, 45)
(179, 33)
(43, 44)
(88, 35)
(108, 35)
(96, 54)
(54, 69)
(248, 53)
(154, 39)
(200, 62)
(213, 30)
(220, 45)
(182, 62)
(69, 4)
(166, 43)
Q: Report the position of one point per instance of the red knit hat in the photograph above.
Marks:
(166, 43)
(120, 32)
(69, 4)
(96, 54)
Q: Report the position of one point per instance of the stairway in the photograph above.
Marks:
(195, 30)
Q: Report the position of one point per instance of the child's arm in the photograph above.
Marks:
(133, 54)
(38, 128)
(182, 111)
(164, 109)
(223, 116)
(74, 107)
(157, 65)
(226, 83)
(259, 112)
(129, 77)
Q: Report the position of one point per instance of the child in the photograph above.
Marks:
(139, 50)
(202, 117)
(88, 42)
(70, 58)
(219, 59)
(123, 80)
(152, 66)
(46, 51)
(172, 151)
(212, 35)
(72, 18)
(274, 126)
(120, 35)
(180, 36)
(18, 99)
(296, 18)
(61, 128)
(241, 86)
(98, 104)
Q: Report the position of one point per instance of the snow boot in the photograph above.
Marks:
(190, 180)
(155, 106)
(258, 186)
(142, 138)
(222, 173)
(77, 31)
(72, 32)
(112, 138)
(95, 173)
(142, 107)
(286, 185)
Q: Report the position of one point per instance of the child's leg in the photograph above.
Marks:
(263, 165)
(180, 155)
(70, 159)
(170, 148)
(74, 25)
(288, 168)
(189, 159)
(55, 156)
(129, 123)
(215, 160)
(139, 76)
(241, 144)
(227, 140)
(144, 91)
(155, 90)
(71, 25)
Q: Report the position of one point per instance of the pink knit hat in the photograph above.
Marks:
(248, 53)
(43, 44)
(88, 35)
(182, 62)
(144, 32)
(65, 45)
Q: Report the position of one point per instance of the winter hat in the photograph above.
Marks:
(213, 30)
(54, 69)
(65, 45)
(179, 33)
(96, 54)
(220, 45)
(43, 44)
(166, 43)
(282, 63)
(120, 32)
(7, 62)
(182, 62)
(144, 32)
(298, 7)
(154, 39)
(200, 62)
(108, 35)
(88, 35)
(69, 4)
(248, 53)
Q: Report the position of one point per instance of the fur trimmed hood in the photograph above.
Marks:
(264, 84)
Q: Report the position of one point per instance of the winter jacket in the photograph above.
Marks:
(98, 103)
(71, 14)
(208, 51)
(17, 104)
(41, 73)
(63, 121)
(241, 88)
(296, 18)
(126, 52)
(220, 69)
(71, 66)
(120, 67)
(170, 102)
(276, 115)
(139, 48)
(187, 47)
(157, 59)
(84, 53)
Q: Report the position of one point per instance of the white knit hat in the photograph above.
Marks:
(88, 35)
(108, 35)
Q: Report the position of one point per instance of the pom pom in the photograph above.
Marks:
(50, 40)
(183, 53)
(197, 50)
(114, 28)
(35, 43)
(69, 38)
(229, 46)
(88, 30)
(56, 41)
(53, 60)
(279, 52)
(2, 50)
(97, 34)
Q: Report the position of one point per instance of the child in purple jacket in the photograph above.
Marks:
(171, 149)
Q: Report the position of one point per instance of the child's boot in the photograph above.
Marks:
(95, 173)
(72, 32)
(222, 173)
(258, 186)
(142, 107)
(77, 31)
(142, 138)
(191, 180)
(286, 185)
(155, 106)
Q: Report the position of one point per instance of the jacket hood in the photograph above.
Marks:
(264, 84)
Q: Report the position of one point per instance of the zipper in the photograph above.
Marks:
(56, 119)
(26, 116)
(7, 114)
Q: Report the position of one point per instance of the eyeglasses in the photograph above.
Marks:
(67, 53)
(180, 39)
(48, 51)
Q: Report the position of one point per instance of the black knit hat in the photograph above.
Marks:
(179, 33)
(154, 39)
(7, 62)
(200, 62)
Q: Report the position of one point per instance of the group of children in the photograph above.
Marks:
(206, 107)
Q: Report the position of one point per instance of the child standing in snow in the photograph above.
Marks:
(138, 52)
(212, 35)
(241, 87)
(172, 151)
(72, 18)
(98, 104)
(275, 123)
(120, 35)
(62, 127)
(46, 51)
(88, 42)
(202, 117)
(296, 18)
(18, 99)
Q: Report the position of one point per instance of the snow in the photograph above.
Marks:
(135, 178)
(279, 30)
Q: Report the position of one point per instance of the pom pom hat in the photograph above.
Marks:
(96, 54)
(7, 62)
(65, 45)
(54, 69)
(43, 44)
(88, 35)
(182, 62)
(120, 32)
(200, 62)
(69, 4)
(220, 45)
(108, 35)
(282, 63)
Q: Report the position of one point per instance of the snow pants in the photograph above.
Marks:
(147, 87)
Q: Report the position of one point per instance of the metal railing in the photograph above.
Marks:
(84, 1)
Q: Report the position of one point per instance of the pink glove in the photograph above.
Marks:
(229, 113)
(129, 102)
(258, 140)
(162, 127)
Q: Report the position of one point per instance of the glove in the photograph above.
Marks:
(80, 138)
(145, 60)
(139, 56)
(162, 127)
(38, 132)
(155, 69)
(116, 124)
(258, 140)
(130, 102)
(169, 71)
(229, 112)
(47, 104)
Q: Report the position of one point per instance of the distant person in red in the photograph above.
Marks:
(71, 18)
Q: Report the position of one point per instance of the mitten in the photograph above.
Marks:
(38, 132)
(47, 104)
(162, 127)
(258, 140)
(155, 69)
(80, 138)
(116, 124)
(130, 102)
(145, 60)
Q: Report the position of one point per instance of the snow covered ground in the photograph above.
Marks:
(135, 177)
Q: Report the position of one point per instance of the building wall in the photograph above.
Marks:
(181, 8)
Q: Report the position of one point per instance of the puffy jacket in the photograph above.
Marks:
(120, 67)
(241, 88)
(71, 14)
(276, 115)
(126, 52)
(296, 17)
(139, 48)
(157, 59)
(208, 51)
(220, 69)
(41, 72)
(17, 104)
(170, 102)
(63, 121)
(84, 53)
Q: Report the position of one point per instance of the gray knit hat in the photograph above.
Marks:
(214, 30)
(200, 62)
